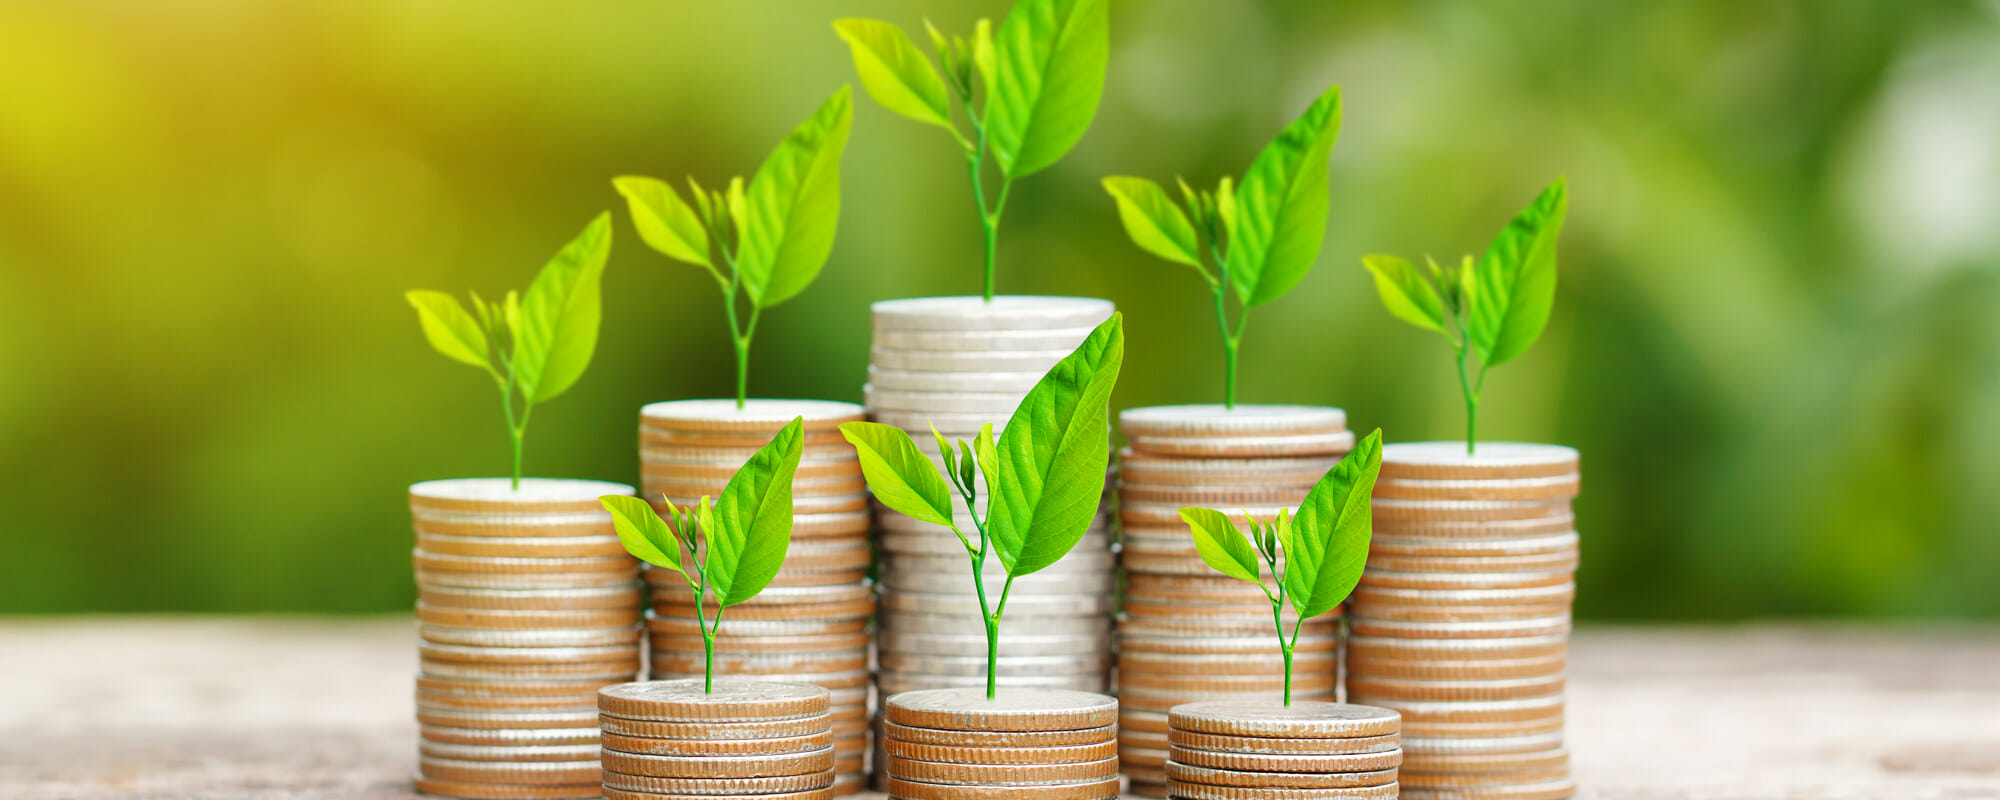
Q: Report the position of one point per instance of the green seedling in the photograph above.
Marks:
(1323, 547)
(1494, 307)
(534, 345)
(1260, 237)
(1043, 477)
(1040, 76)
(772, 236)
(731, 549)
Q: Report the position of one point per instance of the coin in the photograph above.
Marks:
(1204, 682)
(900, 789)
(458, 579)
(526, 655)
(999, 739)
(1360, 625)
(1183, 790)
(1479, 711)
(501, 791)
(492, 720)
(1017, 383)
(1550, 790)
(532, 703)
(1223, 421)
(1449, 461)
(1542, 562)
(729, 700)
(1150, 469)
(960, 341)
(975, 666)
(891, 683)
(1011, 624)
(1297, 721)
(1025, 605)
(520, 546)
(976, 361)
(1222, 743)
(1456, 669)
(910, 643)
(1435, 762)
(1366, 596)
(784, 728)
(491, 753)
(1002, 313)
(754, 415)
(716, 747)
(677, 625)
(511, 638)
(1549, 524)
(1039, 710)
(1269, 663)
(1295, 778)
(1564, 542)
(1558, 486)
(955, 403)
(821, 663)
(746, 645)
(811, 794)
(492, 564)
(718, 786)
(510, 619)
(508, 737)
(615, 670)
(498, 496)
(1449, 748)
(1010, 774)
(1395, 511)
(762, 765)
(515, 772)
(1248, 446)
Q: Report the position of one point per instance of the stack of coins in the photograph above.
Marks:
(1026, 744)
(526, 604)
(1189, 633)
(674, 739)
(1462, 619)
(1265, 751)
(811, 624)
(957, 363)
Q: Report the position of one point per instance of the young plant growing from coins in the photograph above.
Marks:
(1039, 75)
(1043, 476)
(772, 235)
(534, 345)
(1323, 547)
(1256, 241)
(1494, 307)
(730, 549)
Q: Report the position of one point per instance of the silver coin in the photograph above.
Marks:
(889, 683)
(557, 637)
(912, 580)
(980, 404)
(975, 665)
(1246, 446)
(1010, 625)
(895, 521)
(988, 340)
(958, 644)
(1223, 421)
(1016, 383)
(976, 361)
(1000, 313)
(480, 752)
(1045, 605)
(939, 543)
(832, 455)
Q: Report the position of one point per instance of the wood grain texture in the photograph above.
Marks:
(279, 707)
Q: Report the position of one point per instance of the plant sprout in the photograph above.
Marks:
(731, 549)
(773, 236)
(1324, 546)
(1495, 307)
(1044, 476)
(535, 345)
(1262, 238)
(1040, 76)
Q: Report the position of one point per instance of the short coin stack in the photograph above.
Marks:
(811, 624)
(1189, 633)
(1462, 619)
(665, 740)
(1265, 751)
(1026, 744)
(526, 605)
(957, 363)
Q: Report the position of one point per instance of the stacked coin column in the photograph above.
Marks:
(526, 605)
(667, 740)
(811, 624)
(1264, 751)
(1462, 619)
(1029, 744)
(957, 363)
(1189, 633)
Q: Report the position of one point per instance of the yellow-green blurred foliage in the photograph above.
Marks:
(1777, 338)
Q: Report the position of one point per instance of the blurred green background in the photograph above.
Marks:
(1777, 339)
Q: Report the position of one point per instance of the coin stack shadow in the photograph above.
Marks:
(673, 739)
(526, 605)
(811, 624)
(1189, 633)
(1237, 751)
(959, 362)
(1462, 619)
(954, 744)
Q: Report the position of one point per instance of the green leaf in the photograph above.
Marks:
(1049, 58)
(982, 51)
(989, 463)
(967, 466)
(450, 330)
(1279, 219)
(1329, 546)
(1220, 544)
(703, 199)
(1053, 454)
(1155, 224)
(643, 533)
(946, 453)
(666, 223)
(737, 203)
(1405, 292)
(752, 525)
(793, 208)
(898, 473)
(560, 313)
(1516, 280)
(894, 72)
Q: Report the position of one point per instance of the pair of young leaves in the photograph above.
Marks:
(1324, 545)
(1264, 234)
(1044, 475)
(534, 345)
(1042, 69)
(743, 536)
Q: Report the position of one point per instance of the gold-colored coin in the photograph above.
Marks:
(705, 731)
(1537, 488)
(1277, 779)
(900, 789)
(504, 791)
(1297, 721)
(729, 700)
(975, 754)
(1011, 710)
(1182, 790)
(999, 739)
(504, 753)
(719, 786)
(1001, 774)
(510, 737)
(540, 773)
(514, 619)
(760, 765)
(1340, 746)
(812, 794)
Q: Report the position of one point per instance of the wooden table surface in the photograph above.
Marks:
(284, 707)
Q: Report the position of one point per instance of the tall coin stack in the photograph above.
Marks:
(1188, 633)
(958, 362)
(1027, 744)
(1462, 619)
(1264, 751)
(667, 740)
(811, 624)
(526, 605)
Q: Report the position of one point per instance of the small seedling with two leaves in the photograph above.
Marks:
(534, 345)
(731, 549)
(773, 235)
(1262, 237)
(1043, 476)
(1323, 547)
(1040, 75)
(1494, 307)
